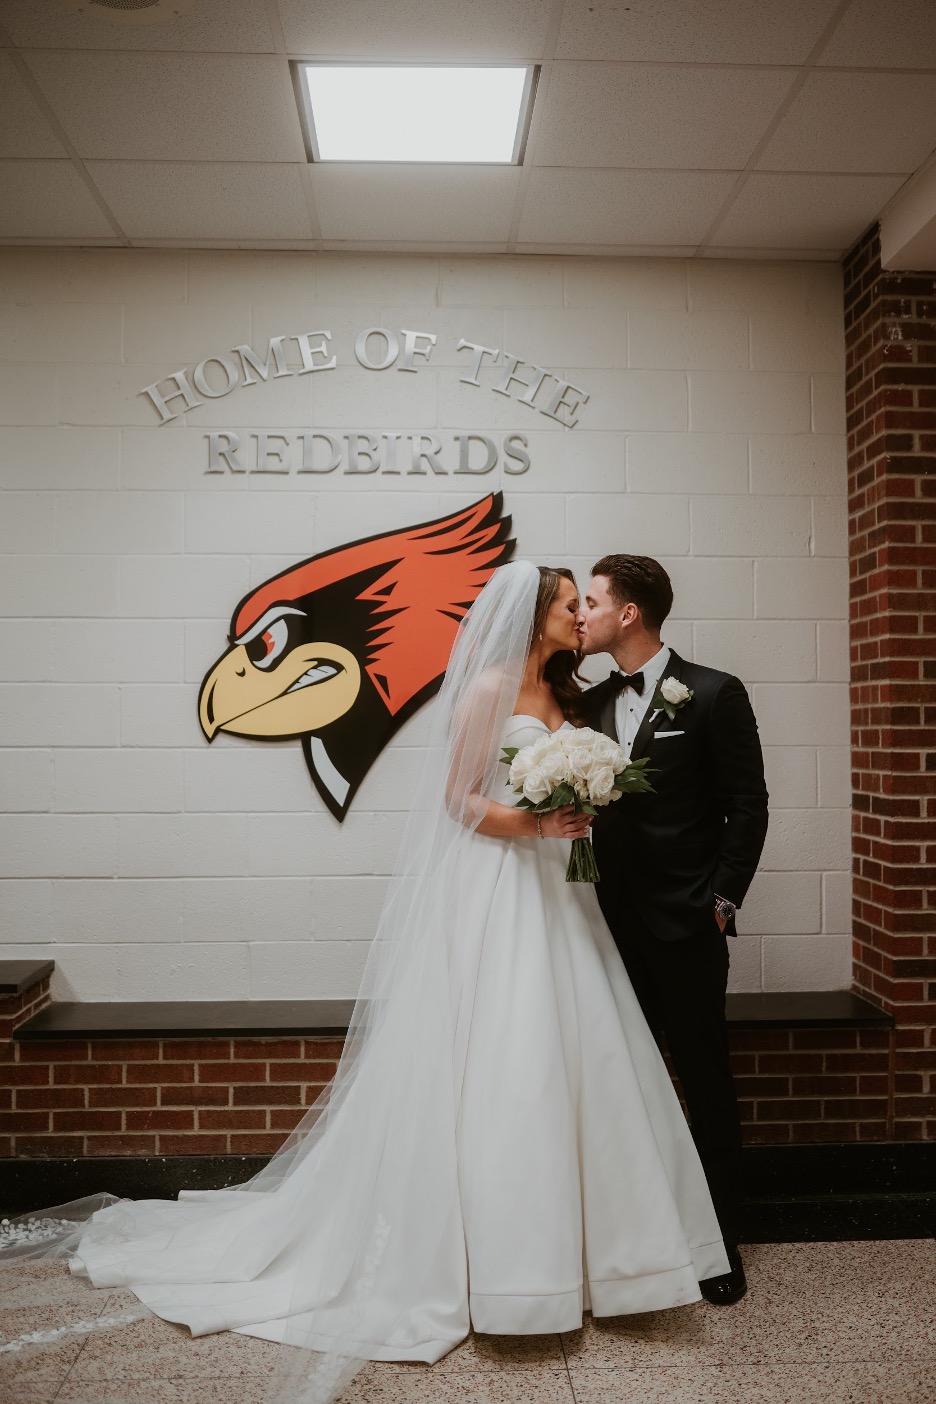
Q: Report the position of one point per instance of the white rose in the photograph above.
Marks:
(583, 735)
(581, 761)
(672, 690)
(601, 784)
(604, 749)
(554, 768)
(535, 786)
(520, 767)
(547, 745)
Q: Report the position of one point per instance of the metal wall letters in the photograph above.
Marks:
(365, 451)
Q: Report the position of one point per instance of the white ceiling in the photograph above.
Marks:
(719, 128)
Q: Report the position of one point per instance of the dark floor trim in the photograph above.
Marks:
(796, 1193)
(840, 1168)
(835, 1220)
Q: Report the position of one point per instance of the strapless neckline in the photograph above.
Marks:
(528, 716)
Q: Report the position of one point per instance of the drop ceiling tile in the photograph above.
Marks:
(204, 200)
(24, 130)
(604, 114)
(904, 37)
(214, 26)
(48, 200)
(170, 107)
(414, 29)
(693, 31)
(415, 202)
(621, 207)
(803, 211)
(851, 122)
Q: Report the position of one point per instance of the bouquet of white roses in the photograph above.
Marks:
(580, 767)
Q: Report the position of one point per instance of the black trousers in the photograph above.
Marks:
(681, 988)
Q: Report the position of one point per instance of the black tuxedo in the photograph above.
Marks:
(701, 832)
(662, 858)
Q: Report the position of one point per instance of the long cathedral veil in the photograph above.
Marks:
(348, 1246)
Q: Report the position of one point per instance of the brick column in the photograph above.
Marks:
(890, 337)
(15, 1010)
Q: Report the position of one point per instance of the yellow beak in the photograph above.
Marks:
(309, 688)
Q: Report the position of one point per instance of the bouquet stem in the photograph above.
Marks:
(582, 866)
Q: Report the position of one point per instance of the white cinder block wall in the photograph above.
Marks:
(150, 865)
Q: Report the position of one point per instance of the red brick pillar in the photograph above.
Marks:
(890, 337)
(16, 1007)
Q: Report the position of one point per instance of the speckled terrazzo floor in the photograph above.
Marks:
(823, 1323)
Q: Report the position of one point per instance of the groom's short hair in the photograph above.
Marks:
(638, 580)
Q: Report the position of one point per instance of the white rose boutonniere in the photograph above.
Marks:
(670, 696)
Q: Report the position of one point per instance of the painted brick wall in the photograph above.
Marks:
(224, 1096)
(160, 1096)
(890, 323)
(152, 866)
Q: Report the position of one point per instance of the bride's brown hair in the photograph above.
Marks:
(561, 672)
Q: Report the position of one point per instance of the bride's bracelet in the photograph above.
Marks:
(539, 826)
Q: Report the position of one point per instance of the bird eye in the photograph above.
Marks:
(264, 650)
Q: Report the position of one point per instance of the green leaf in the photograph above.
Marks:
(508, 754)
(562, 794)
(632, 780)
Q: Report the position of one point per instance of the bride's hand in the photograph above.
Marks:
(565, 823)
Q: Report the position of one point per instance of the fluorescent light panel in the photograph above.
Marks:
(378, 112)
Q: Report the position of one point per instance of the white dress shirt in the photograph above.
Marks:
(629, 709)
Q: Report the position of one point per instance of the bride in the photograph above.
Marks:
(502, 1147)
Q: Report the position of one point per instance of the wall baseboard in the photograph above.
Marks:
(795, 1193)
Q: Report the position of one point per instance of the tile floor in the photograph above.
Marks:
(823, 1323)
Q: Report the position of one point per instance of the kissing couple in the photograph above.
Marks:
(502, 1148)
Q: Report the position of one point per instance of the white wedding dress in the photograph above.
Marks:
(502, 1147)
(578, 1181)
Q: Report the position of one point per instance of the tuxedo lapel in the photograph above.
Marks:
(652, 719)
(606, 717)
(644, 731)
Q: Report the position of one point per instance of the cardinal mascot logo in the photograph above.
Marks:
(342, 648)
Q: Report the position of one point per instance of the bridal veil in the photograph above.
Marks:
(349, 1244)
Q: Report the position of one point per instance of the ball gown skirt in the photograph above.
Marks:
(533, 1158)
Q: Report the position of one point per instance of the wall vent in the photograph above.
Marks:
(131, 11)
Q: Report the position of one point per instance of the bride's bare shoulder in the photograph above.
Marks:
(489, 685)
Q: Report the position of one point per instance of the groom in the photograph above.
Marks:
(675, 864)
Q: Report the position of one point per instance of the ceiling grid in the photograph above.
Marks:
(820, 44)
(703, 128)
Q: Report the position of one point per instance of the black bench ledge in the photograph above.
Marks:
(261, 1018)
(329, 1018)
(815, 1009)
(19, 975)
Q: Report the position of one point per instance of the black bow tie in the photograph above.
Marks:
(619, 681)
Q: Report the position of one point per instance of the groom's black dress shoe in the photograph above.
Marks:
(731, 1286)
